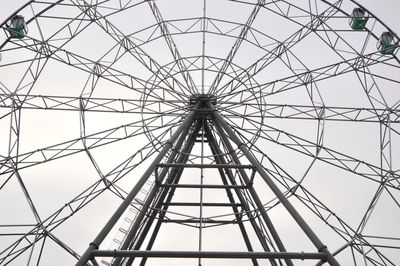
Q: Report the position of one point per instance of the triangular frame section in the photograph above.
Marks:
(204, 120)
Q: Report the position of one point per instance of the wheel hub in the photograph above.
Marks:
(203, 99)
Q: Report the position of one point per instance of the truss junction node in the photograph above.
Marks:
(199, 132)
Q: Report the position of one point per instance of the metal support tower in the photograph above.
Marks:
(204, 126)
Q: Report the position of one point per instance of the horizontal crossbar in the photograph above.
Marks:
(204, 186)
(208, 254)
(197, 221)
(204, 204)
(185, 165)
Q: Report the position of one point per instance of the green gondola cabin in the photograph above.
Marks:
(358, 19)
(17, 27)
(387, 43)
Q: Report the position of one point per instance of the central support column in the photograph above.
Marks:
(215, 131)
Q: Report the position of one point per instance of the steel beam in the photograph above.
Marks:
(208, 254)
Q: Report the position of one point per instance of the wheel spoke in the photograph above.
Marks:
(327, 155)
(128, 44)
(295, 189)
(309, 112)
(280, 49)
(92, 104)
(318, 74)
(243, 33)
(172, 47)
(77, 204)
(74, 146)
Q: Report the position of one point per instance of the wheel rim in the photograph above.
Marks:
(313, 98)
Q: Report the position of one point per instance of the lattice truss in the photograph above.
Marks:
(92, 92)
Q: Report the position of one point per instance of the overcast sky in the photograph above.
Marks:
(386, 10)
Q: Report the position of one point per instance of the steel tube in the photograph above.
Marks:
(208, 254)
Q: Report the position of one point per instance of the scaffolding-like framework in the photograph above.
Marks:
(199, 125)
(254, 132)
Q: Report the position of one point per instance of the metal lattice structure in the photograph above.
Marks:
(226, 131)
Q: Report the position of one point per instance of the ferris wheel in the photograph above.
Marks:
(199, 132)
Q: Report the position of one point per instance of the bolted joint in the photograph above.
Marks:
(322, 248)
(94, 245)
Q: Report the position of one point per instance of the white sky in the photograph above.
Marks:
(337, 136)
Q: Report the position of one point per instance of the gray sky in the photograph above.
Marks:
(345, 193)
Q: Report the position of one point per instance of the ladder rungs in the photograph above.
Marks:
(200, 141)
(197, 221)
